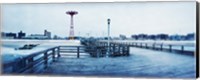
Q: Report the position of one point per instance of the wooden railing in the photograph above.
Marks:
(73, 49)
(157, 46)
(41, 59)
(115, 49)
(33, 62)
(92, 50)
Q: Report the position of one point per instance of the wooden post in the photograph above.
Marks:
(119, 51)
(45, 60)
(58, 52)
(53, 54)
(18, 65)
(153, 45)
(161, 47)
(136, 44)
(146, 45)
(78, 52)
(97, 53)
(123, 51)
(15, 67)
(30, 61)
(170, 48)
(182, 48)
(128, 51)
(113, 48)
(23, 62)
(106, 44)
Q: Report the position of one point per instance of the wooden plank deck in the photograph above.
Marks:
(141, 63)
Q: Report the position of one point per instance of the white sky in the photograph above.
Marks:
(126, 18)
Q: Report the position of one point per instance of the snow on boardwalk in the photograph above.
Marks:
(141, 63)
(9, 53)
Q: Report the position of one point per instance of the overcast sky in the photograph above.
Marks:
(126, 18)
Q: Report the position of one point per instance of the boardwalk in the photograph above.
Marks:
(140, 63)
(76, 60)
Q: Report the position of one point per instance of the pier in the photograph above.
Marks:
(172, 48)
(125, 59)
(34, 62)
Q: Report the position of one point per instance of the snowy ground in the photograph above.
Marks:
(141, 63)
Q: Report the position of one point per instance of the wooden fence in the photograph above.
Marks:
(30, 63)
(156, 46)
(40, 60)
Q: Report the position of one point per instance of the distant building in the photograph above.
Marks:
(162, 36)
(142, 36)
(116, 38)
(8, 35)
(57, 37)
(152, 37)
(21, 35)
(36, 36)
(122, 36)
(177, 37)
(3, 34)
(190, 36)
(47, 33)
(135, 37)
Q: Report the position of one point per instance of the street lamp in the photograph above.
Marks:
(108, 52)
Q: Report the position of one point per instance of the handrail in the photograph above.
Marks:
(27, 63)
(30, 63)
(180, 48)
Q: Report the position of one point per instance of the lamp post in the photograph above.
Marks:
(108, 52)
